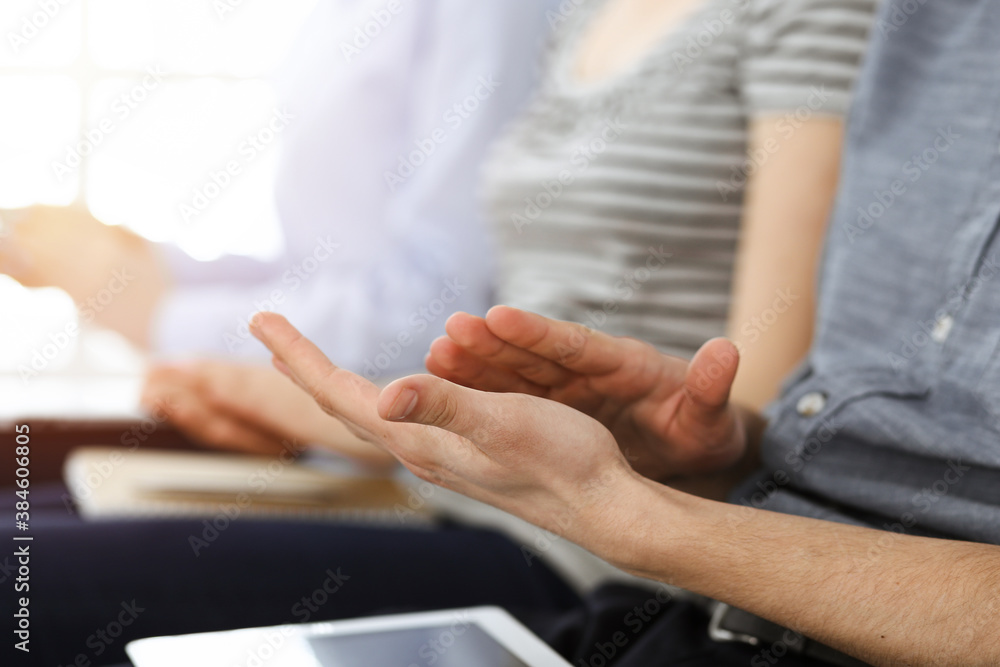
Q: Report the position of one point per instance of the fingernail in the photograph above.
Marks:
(403, 405)
(255, 321)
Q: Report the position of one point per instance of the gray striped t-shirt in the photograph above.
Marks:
(617, 203)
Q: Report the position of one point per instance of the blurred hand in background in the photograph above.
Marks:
(252, 409)
(113, 275)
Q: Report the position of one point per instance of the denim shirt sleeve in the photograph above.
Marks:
(894, 421)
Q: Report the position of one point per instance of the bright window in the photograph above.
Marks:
(133, 107)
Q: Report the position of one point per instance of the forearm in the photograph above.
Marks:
(885, 598)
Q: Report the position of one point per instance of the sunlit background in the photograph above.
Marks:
(71, 69)
(128, 106)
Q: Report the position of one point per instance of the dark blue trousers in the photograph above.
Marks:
(96, 586)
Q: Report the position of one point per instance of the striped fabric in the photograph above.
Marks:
(617, 204)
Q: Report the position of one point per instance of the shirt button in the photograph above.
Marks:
(942, 328)
(811, 404)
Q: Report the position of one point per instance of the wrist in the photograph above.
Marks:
(643, 528)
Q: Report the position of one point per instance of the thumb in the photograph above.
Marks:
(429, 400)
(710, 375)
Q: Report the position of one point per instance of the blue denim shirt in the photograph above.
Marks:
(894, 419)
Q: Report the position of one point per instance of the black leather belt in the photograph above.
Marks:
(730, 624)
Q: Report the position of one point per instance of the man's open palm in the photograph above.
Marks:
(669, 416)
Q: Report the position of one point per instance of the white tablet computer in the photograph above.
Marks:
(474, 637)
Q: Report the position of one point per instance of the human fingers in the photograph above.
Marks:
(450, 361)
(474, 336)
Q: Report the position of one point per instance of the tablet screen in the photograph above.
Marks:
(454, 645)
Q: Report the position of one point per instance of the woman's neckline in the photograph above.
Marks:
(570, 83)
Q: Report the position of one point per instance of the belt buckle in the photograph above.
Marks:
(721, 634)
